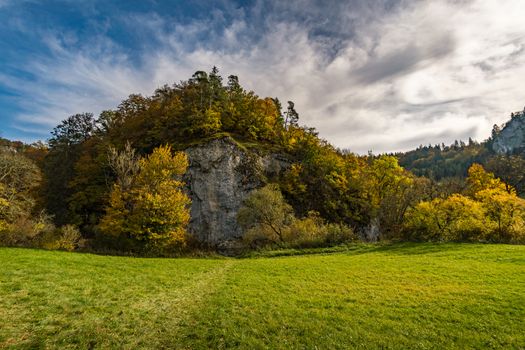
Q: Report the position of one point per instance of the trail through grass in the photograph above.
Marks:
(402, 296)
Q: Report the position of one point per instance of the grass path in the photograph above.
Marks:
(61, 300)
(403, 297)
(411, 296)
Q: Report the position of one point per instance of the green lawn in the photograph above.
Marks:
(402, 296)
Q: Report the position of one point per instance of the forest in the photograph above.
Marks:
(115, 182)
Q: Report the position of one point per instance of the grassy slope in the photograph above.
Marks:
(402, 296)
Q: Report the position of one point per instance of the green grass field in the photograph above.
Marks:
(401, 296)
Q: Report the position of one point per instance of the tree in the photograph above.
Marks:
(266, 213)
(19, 177)
(292, 117)
(125, 165)
(456, 218)
(66, 146)
(391, 190)
(18, 173)
(491, 212)
(4, 209)
(506, 214)
(479, 179)
(495, 131)
(324, 180)
(154, 210)
(510, 169)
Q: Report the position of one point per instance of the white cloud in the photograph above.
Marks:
(425, 72)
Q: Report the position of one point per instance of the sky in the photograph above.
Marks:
(374, 75)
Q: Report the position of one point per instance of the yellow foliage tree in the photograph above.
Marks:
(492, 212)
(503, 208)
(456, 218)
(506, 212)
(390, 191)
(155, 209)
(479, 179)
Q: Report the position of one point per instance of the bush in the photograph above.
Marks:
(312, 231)
(339, 233)
(67, 237)
(25, 231)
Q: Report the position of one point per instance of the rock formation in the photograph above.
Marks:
(512, 136)
(220, 176)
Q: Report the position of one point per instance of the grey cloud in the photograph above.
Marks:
(388, 66)
(405, 59)
(339, 61)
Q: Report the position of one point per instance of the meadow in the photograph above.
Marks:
(401, 296)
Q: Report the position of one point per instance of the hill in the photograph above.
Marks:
(172, 171)
(364, 296)
(503, 154)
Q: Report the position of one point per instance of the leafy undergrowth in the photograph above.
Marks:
(366, 296)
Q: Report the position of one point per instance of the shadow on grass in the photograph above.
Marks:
(364, 248)
(420, 248)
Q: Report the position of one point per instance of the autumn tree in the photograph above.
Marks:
(4, 208)
(504, 209)
(324, 180)
(19, 178)
(456, 218)
(149, 206)
(479, 179)
(491, 212)
(390, 191)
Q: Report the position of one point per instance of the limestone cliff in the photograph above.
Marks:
(512, 136)
(220, 176)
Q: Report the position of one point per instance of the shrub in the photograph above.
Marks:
(339, 233)
(312, 231)
(67, 237)
(25, 231)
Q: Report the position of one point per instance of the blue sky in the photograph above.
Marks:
(381, 75)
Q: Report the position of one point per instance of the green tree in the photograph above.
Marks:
(65, 148)
(510, 169)
(266, 214)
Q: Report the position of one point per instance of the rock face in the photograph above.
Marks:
(220, 176)
(512, 136)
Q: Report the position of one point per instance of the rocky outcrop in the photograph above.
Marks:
(221, 174)
(512, 136)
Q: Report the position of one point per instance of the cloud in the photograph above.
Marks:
(382, 75)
